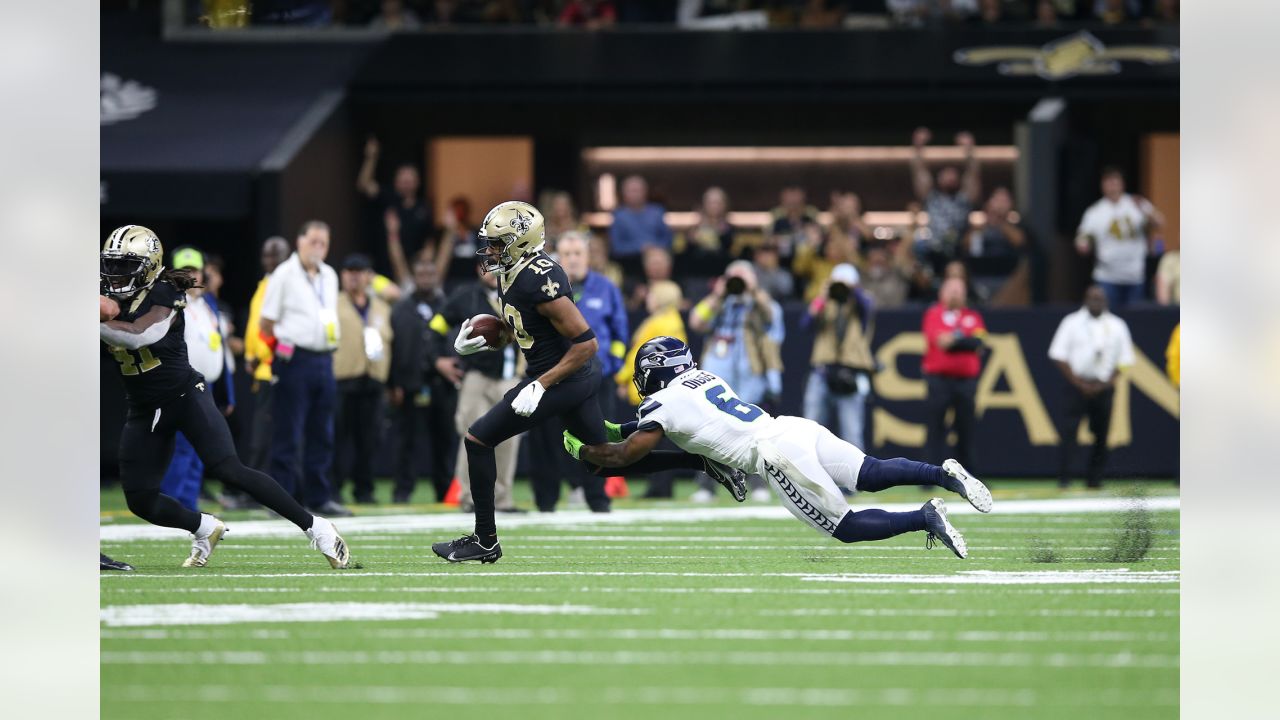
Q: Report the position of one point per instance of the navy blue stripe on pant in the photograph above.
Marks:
(302, 406)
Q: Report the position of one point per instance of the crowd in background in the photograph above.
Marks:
(702, 14)
(361, 360)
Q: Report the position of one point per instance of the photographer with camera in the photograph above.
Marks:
(841, 363)
(744, 333)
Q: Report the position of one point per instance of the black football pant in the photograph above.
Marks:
(950, 393)
(1098, 409)
(357, 432)
(146, 446)
(573, 404)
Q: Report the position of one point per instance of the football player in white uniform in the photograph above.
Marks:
(805, 462)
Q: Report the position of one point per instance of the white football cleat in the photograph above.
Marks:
(325, 538)
(204, 540)
(974, 491)
(941, 529)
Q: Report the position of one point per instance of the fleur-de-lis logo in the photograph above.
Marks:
(550, 288)
(522, 222)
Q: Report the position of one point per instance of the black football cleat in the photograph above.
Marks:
(106, 563)
(466, 548)
(940, 529)
(733, 480)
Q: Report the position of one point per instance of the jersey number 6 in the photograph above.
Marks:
(746, 412)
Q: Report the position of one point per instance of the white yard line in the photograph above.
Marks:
(614, 658)
(196, 614)
(575, 519)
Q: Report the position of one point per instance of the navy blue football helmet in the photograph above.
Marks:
(658, 362)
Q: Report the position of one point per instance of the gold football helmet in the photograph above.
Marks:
(509, 232)
(131, 260)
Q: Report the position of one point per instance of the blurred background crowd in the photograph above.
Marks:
(693, 14)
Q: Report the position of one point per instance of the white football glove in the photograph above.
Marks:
(527, 401)
(467, 345)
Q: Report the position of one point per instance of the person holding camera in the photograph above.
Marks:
(952, 362)
(744, 333)
(841, 363)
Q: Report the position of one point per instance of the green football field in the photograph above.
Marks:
(658, 610)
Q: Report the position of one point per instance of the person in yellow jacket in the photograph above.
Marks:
(663, 303)
(257, 361)
(1173, 356)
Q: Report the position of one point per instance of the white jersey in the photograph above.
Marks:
(1118, 230)
(702, 415)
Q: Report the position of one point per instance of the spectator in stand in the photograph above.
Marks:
(412, 218)
(184, 479)
(995, 248)
(846, 219)
(600, 262)
(953, 337)
(663, 304)
(1117, 229)
(841, 362)
(744, 334)
(774, 279)
(1046, 14)
(1169, 278)
(818, 255)
(1116, 12)
(561, 217)
(704, 248)
(257, 362)
(638, 223)
(1164, 12)
(793, 223)
(458, 243)
(486, 378)
(601, 304)
(300, 323)
(591, 14)
(395, 16)
(361, 365)
(890, 272)
(657, 265)
(424, 387)
(950, 199)
(1090, 347)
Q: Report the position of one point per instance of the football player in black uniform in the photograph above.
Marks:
(536, 300)
(165, 395)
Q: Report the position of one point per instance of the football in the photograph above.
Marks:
(495, 332)
(108, 309)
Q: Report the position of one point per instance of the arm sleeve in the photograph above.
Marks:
(273, 299)
(1058, 346)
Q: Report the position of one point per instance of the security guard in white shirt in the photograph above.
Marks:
(300, 323)
(1090, 347)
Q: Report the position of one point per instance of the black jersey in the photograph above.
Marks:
(535, 280)
(159, 372)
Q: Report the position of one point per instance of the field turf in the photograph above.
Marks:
(656, 611)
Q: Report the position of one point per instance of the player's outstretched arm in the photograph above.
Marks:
(568, 321)
(627, 452)
(139, 333)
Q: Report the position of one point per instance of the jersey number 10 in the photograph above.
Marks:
(746, 412)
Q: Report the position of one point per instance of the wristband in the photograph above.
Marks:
(584, 337)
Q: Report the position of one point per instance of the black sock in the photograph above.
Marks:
(877, 525)
(162, 510)
(655, 462)
(482, 466)
(261, 487)
(877, 475)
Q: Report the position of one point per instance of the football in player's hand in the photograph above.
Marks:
(496, 333)
(108, 309)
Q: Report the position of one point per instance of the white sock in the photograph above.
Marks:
(207, 524)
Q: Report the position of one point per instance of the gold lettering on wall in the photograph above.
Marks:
(1006, 360)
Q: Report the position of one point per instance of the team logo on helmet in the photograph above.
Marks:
(521, 222)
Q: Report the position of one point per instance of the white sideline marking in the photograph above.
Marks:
(453, 521)
(195, 614)
(668, 634)
(612, 658)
